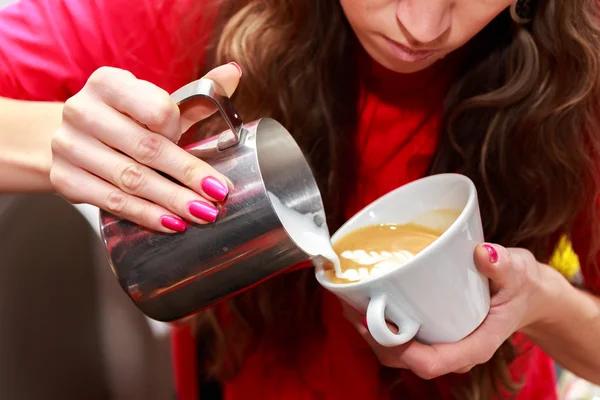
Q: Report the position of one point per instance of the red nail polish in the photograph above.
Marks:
(238, 67)
(173, 223)
(204, 211)
(492, 252)
(364, 322)
(214, 188)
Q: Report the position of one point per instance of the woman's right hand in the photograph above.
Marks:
(117, 132)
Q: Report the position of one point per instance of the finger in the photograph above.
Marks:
(465, 369)
(138, 180)
(495, 262)
(356, 315)
(79, 186)
(228, 77)
(146, 103)
(429, 362)
(440, 359)
(148, 148)
(388, 357)
(463, 355)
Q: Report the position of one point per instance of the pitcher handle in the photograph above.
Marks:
(210, 89)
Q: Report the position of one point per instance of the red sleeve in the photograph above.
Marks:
(49, 48)
(583, 246)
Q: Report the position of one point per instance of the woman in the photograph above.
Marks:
(377, 93)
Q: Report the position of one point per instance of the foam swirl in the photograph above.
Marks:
(380, 261)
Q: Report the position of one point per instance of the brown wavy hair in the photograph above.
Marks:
(521, 120)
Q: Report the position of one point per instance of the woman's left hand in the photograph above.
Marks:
(516, 303)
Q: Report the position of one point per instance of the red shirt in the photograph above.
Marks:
(48, 49)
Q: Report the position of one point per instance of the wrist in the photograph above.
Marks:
(549, 302)
(25, 173)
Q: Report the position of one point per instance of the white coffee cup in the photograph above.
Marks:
(438, 296)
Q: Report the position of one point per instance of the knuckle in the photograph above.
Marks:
(425, 375)
(389, 362)
(173, 199)
(116, 202)
(513, 257)
(149, 148)
(77, 112)
(132, 178)
(61, 143)
(429, 372)
(523, 266)
(518, 263)
(99, 77)
(64, 186)
(163, 112)
(485, 356)
(145, 215)
(61, 183)
(70, 107)
(529, 258)
(190, 172)
(104, 75)
(57, 179)
(73, 108)
(465, 370)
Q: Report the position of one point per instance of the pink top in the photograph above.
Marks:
(49, 48)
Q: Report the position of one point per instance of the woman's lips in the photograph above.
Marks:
(409, 54)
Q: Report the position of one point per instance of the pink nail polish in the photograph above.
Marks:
(173, 223)
(493, 253)
(204, 211)
(214, 188)
(238, 67)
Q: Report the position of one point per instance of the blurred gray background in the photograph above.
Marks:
(67, 331)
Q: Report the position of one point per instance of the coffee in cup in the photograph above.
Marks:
(374, 249)
(435, 295)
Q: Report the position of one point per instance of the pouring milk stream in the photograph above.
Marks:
(317, 243)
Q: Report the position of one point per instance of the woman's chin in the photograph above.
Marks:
(389, 61)
(404, 67)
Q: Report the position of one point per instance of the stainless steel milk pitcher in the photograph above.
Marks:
(169, 276)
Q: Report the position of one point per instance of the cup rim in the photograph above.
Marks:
(443, 238)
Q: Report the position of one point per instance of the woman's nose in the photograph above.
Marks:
(424, 21)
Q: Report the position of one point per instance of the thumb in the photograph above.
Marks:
(228, 77)
(494, 262)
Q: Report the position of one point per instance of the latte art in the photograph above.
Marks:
(377, 261)
(376, 249)
(375, 258)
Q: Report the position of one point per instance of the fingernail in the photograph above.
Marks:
(492, 252)
(205, 211)
(238, 67)
(173, 223)
(214, 188)
(364, 322)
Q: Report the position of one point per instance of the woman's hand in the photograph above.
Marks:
(516, 303)
(116, 132)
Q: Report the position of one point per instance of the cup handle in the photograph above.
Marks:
(379, 329)
(209, 89)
